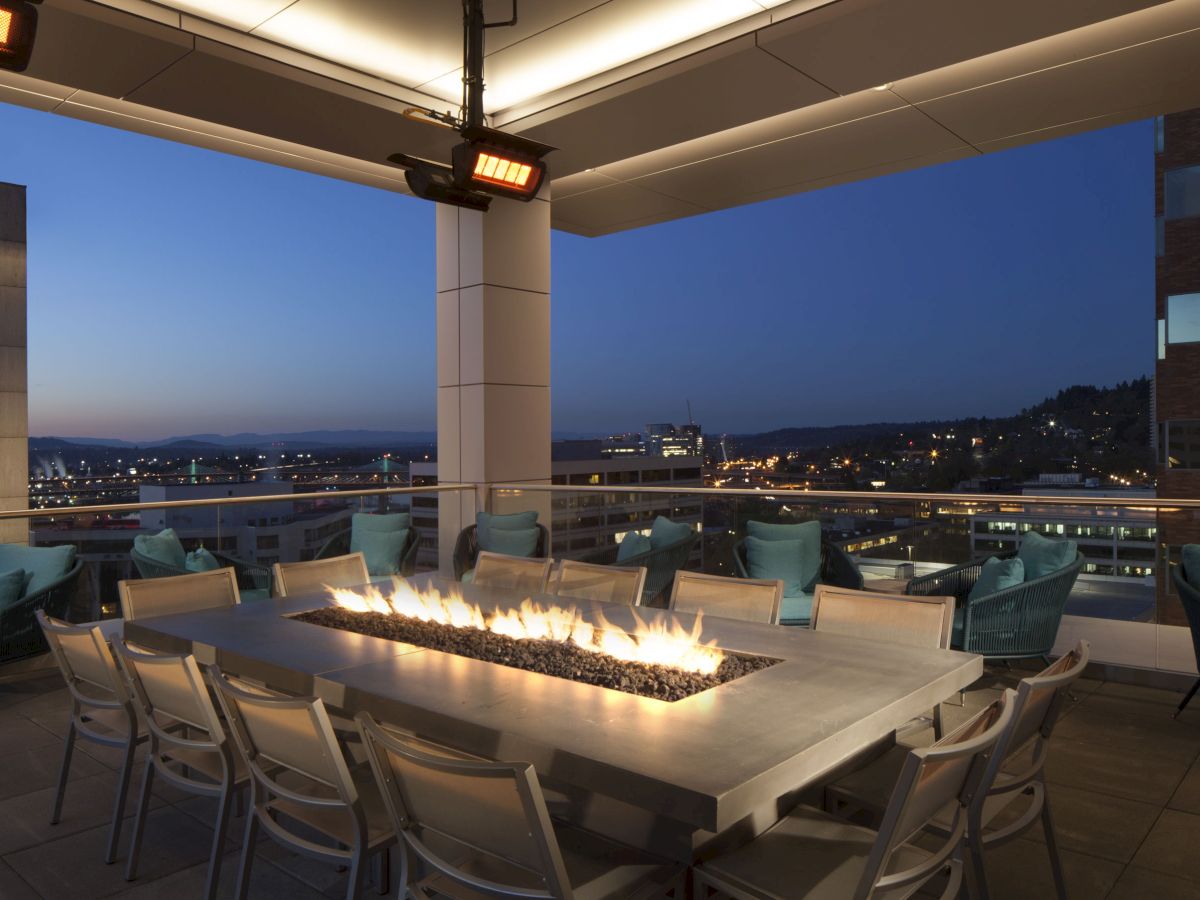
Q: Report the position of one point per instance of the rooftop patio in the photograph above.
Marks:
(1124, 782)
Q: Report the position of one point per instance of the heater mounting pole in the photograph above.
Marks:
(473, 84)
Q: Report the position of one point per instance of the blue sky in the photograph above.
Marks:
(175, 290)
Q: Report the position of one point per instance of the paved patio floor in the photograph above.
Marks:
(1124, 787)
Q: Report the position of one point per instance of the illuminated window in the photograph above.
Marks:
(1181, 193)
(1183, 319)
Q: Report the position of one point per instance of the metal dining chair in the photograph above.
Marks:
(810, 853)
(101, 710)
(142, 597)
(292, 738)
(481, 828)
(170, 688)
(515, 573)
(895, 618)
(1038, 701)
(748, 599)
(314, 576)
(611, 584)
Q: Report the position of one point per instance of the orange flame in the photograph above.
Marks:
(656, 643)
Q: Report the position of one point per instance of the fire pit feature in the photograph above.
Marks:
(661, 662)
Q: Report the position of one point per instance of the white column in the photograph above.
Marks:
(493, 359)
(14, 404)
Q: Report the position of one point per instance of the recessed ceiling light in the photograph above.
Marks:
(883, 87)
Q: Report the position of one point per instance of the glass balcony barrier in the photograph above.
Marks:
(249, 532)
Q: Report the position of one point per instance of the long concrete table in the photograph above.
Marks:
(667, 776)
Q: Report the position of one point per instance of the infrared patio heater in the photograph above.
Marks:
(488, 162)
(18, 26)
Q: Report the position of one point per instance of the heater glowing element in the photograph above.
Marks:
(6, 25)
(18, 26)
(498, 170)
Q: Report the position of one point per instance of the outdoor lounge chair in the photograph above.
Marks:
(467, 547)
(1019, 622)
(254, 581)
(837, 570)
(1190, 598)
(344, 543)
(20, 636)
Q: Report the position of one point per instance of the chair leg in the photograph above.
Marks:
(251, 835)
(358, 875)
(937, 722)
(976, 874)
(114, 838)
(1052, 847)
(139, 822)
(218, 845)
(63, 772)
(1187, 699)
(385, 872)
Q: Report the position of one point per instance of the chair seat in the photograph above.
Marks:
(336, 823)
(808, 853)
(598, 869)
(796, 609)
(207, 762)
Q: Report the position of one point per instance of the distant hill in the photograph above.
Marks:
(353, 438)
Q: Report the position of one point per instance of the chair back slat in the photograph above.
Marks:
(216, 589)
(933, 778)
(748, 599)
(915, 621)
(493, 808)
(610, 584)
(1038, 698)
(515, 573)
(313, 576)
(82, 655)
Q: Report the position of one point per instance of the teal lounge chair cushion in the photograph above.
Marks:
(43, 565)
(779, 559)
(1190, 555)
(12, 587)
(633, 544)
(664, 532)
(960, 624)
(486, 524)
(809, 535)
(163, 548)
(360, 522)
(996, 575)
(1042, 556)
(382, 550)
(796, 610)
(512, 542)
(200, 560)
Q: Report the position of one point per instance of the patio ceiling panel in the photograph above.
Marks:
(711, 91)
(616, 207)
(852, 46)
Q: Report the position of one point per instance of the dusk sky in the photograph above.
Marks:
(174, 290)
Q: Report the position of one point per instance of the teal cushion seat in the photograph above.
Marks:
(809, 536)
(12, 587)
(200, 560)
(633, 544)
(487, 524)
(1190, 554)
(164, 548)
(514, 542)
(778, 559)
(664, 532)
(996, 575)
(249, 595)
(382, 550)
(43, 565)
(1042, 556)
(796, 610)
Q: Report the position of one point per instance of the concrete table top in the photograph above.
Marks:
(705, 762)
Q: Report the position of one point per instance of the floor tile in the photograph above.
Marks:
(74, 867)
(1142, 884)
(32, 770)
(267, 882)
(25, 819)
(1020, 870)
(19, 733)
(1087, 765)
(1172, 846)
(1187, 795)
(13, 886)
(1141, 694)
(1131, 728)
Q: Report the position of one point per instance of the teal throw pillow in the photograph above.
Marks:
(512, 542)
(382, 550)
(1042, 556)
(779, 559)
(163, 548)
(486, 523)
(664, 532)
(633, 544)
(43, 565)
(380, 521)
(1191, 564)
(12, 587)
(996, 575)
(807, 533)
(200, 560)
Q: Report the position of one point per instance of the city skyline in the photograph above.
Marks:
(642, 321)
